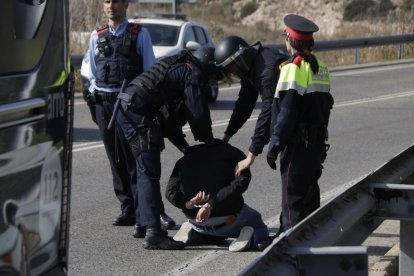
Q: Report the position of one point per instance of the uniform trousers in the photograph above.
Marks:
(300, 168)
(119, 153)
(148, 166)
(246, 217)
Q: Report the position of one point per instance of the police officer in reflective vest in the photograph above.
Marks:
(118, 51)
(300, 116)
(155, 105)
(257, 68)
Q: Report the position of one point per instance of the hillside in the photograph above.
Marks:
(263, 19)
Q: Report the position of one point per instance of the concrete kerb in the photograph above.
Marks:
(383, 249)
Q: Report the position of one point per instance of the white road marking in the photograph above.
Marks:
(193, 264)
(93, 145)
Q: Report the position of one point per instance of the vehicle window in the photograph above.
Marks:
(201, 36)
(162, 35)
(23, 39)
(189, 35)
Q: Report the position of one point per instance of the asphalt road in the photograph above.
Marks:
(372, 121)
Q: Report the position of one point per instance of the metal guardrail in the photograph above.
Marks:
(330, 45)
(327, 241)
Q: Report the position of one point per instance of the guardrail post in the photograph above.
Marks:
(406, 261)
(401, 52)
(357, 55)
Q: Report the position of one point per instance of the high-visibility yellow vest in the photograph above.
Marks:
(302, 79)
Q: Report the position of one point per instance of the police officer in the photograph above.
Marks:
(257, 68)
(155, 105)
(300, 116)
(119, 50)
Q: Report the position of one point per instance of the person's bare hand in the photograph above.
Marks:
(244, 164)
(204, 213)
(199, 199)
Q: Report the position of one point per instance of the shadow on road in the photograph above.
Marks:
(86, 135)
(228, 105)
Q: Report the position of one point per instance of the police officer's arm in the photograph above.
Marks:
(287, 107)
(284, 124)
(261, 134)
(92, 64)
(178, 140)
(243, 107)
(266, 77)
(144, 48)
(198, 113)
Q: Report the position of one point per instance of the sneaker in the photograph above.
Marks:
(243, 241)
(183, 234)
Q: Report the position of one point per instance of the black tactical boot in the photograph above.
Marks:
(264, 244)
(157, 239)
(124, 219)
(139, 231)
(166, 221)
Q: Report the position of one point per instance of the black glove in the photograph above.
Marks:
(271, 158)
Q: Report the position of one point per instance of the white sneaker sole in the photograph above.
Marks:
(243, 241)
(183, 234)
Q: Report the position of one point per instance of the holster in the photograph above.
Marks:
(148, 137)
(91, 101)
(172, 118)
(310, 135)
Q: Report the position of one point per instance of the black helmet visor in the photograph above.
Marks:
(234, 67)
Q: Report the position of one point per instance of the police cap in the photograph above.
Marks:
(299, 27)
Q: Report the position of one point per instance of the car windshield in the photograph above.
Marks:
(162, 35)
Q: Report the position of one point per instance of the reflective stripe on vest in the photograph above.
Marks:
(302, 79)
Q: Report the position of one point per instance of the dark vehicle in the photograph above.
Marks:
(36, 125)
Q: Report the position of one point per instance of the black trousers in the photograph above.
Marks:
(119, 154)
(148, 166)
(300, 168)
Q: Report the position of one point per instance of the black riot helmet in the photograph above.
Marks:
(205, 57)
(234, 57)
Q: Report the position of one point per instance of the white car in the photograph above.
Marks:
(169, 37)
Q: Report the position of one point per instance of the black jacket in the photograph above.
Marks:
(261, 80)
(209, 168)
(177, 91)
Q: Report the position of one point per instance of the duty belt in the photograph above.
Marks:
(310, 135)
